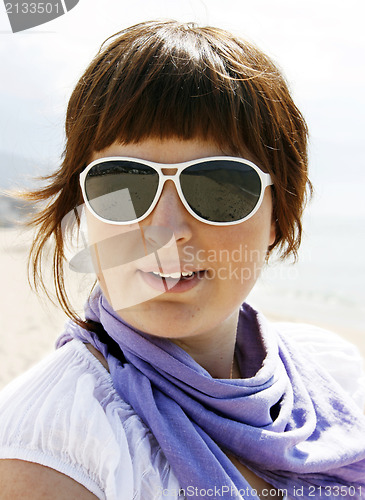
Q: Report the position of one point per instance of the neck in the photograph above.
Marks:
(214, 350)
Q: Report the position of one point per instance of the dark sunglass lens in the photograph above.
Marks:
(221, 190)
(121, 191)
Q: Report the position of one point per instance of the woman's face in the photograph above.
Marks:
(226, 260)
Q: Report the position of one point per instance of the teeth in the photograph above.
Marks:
(164, 275)
(173, 275)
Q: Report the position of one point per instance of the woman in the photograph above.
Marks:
(190, 159)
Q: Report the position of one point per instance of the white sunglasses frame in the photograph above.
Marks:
(265, 180)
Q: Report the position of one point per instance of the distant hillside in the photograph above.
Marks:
(13, 211)
(17, 171)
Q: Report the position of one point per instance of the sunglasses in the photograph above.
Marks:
(219, 190)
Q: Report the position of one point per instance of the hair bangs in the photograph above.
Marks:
(170, 85)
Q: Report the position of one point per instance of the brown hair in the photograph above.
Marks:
(171, 79)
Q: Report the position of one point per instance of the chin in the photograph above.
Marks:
(163, 320)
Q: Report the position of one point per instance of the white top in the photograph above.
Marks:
(65, 413)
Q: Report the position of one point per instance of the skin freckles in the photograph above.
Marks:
(203, 319)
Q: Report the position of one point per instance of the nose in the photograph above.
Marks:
(171, 214)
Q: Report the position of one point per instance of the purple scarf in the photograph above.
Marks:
(287, 420)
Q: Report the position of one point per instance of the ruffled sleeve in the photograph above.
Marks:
(54, 415)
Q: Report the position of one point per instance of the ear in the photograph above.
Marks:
(272, 232)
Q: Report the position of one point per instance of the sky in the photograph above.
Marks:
(319, 44)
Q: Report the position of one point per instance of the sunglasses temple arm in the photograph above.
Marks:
(267, 181)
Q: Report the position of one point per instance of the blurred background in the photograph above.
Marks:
(320, 46)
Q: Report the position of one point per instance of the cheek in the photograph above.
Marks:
(251, 238)
(248, 251)
(111, 246)
(95, 228)
(255, 234)
(100, 231)
(260, 229)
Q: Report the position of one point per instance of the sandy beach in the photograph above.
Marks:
(30, 325)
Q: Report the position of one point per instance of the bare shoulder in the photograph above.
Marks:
(20, 479)
(98, 355)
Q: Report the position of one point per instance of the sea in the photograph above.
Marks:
(326, 286)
